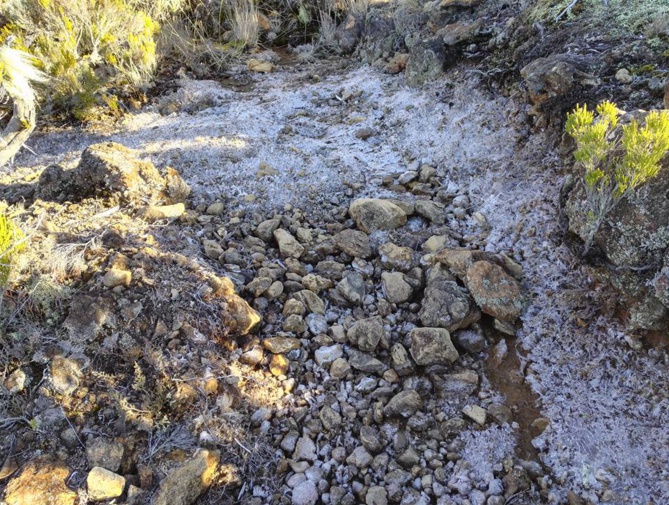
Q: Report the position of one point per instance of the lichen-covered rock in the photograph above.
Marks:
(496, 292)
(427, 60)
(555, 75)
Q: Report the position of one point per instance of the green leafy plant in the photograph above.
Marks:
(12, 242)
(616, 159)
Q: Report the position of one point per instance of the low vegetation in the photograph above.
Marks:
(616, 159)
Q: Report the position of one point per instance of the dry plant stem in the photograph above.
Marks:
(17, 131)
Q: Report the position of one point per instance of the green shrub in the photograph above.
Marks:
(11, 244)
(86, 45)
(616, 159)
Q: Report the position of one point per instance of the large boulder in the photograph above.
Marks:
(556, 75)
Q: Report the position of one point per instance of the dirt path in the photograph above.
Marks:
(304, 140)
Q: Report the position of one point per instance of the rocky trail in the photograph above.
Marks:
(409, 325)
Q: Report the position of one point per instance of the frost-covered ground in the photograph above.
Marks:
(294, 139)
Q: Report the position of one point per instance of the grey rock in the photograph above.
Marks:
(267, 228)
(369, 437)
(364, 362)
(348, 33)
(294, 324)
(317, 324)
(445, 303)
(376, 495)
(435, 212)
(360, 458)
(329, 418)
(372, 214)
(469, 340)
(305, 493)
(395, 257)
(311, 301)
(432, 346)
(400, 360)
(326, 355)
(104, 453)
(289, 441)
(305, 450)
(395, 288)
(403, 404)
(354, 243)
(352, 287)
(366, 333)
(427, 60)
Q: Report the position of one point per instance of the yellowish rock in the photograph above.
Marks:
(261, 66)
(153, 213)
(103, 484)
(117, 277)
(279, 365)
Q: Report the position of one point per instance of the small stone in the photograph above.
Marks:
(469, 340)
(317, 324)
(504, 327)
(279, 365)
(40, 481)
(288, 245)
(316, 283)
(212, 249)
(364, 362)
(260, 66)
(501, 413)
(354, 243)
(433, 211)
(376, 495)
(435, 243)
(294, 324)
(281, 345)
(623, 76)
(496, 292)
(400, 359)
(17, 381)
(360, 458)
(103, 484)
(475, 413)
(365, 133)
(305, 493)
(253, 356)
(395, 257)
(395, 288)
(105, 454)
(326, 355)
(329, 418)
(370, 439)
(352, 288)
(305, 450)
(432, 346)
(117, 277)
(274, 290)
(340, 368)
(267, 228)
(152, 213)
(366, 333)
(216, 209)
(403, 404)
(65, 375)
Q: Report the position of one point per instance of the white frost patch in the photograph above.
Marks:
(486, 449)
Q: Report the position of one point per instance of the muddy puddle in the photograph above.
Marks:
(505, 374)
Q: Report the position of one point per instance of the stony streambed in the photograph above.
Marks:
(394, 382)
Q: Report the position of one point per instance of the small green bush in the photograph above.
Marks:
(616, 159)
(11, 244)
